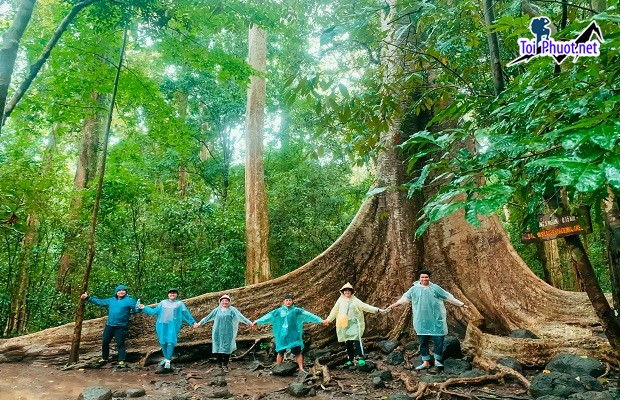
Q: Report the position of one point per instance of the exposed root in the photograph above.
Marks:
(320, 369)
(489, 365)
(245, 353)
(424, 388)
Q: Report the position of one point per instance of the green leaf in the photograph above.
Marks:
(606, 136)
(611, 166)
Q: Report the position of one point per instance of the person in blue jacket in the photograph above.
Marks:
(287, 325)
(171, 313)
(119, 309)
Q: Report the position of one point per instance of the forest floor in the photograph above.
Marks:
(21, 381)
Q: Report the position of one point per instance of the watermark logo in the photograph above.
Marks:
(586, 44)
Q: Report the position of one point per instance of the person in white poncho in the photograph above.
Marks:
(349, 315)
(224, 333)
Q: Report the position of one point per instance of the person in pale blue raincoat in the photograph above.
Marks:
(429, 316)
(224, 333)
(287, 323)
(171, 314)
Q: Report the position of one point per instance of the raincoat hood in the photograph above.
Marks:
(347, 286)
(120, 287)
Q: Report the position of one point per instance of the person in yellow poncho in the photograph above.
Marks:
(349, 315)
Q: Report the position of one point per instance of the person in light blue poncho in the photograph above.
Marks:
(429, 316)
(170, 316)
(287, 325)
(119, 309)
(224, 333)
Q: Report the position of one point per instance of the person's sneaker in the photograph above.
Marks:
(438, 364)
(361, 362)
(348, 364)
(422, 366)
(161, 363)
(167, 365)
(102, 361)
(121, 364)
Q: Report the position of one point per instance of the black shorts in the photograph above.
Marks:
(296, 350)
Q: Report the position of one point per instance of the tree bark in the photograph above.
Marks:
(74, 354)
(85, 172)
(612, 227)
(38, 64)
(593, 289)
(256, 217)
(496, 64)
(10, 46)
(17, 322)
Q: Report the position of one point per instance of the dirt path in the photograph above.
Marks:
(37, 381)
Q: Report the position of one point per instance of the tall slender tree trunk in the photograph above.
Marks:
(10, 46)
(256, 217)
(86, 169)
(17, 322)
(38, 64)
(496, 62)
(74, 354)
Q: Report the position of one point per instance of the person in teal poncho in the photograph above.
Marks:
(224, 333)
(429, 316)
(119, 309)
(287, 325)
(170, 316)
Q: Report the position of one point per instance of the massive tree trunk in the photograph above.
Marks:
(256, 218)
(378, 254)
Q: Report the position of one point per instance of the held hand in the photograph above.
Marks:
(140, 306)
(253, 325)
(196, 325)
(84, 295)
(325, 322)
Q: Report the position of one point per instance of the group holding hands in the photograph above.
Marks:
(429, 322)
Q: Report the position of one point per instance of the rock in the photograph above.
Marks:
(298, 389)
(412, 346)
(456, 367)
(318, 353)
(549, 397)
(395, 358)
(219, 381)
(387, 346)
(576, 365)
(119, 394)
(385, 376)
(368, 367)
(219, 393)
(562, 385)
(133, 393)
(523, 334)
(218, 372)
(255, 365)
(377, 382)
(399, 397)
(592, 396)
(473, 373)
(510, 363)
(451, 348)
(285, 369)
(95, 393)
